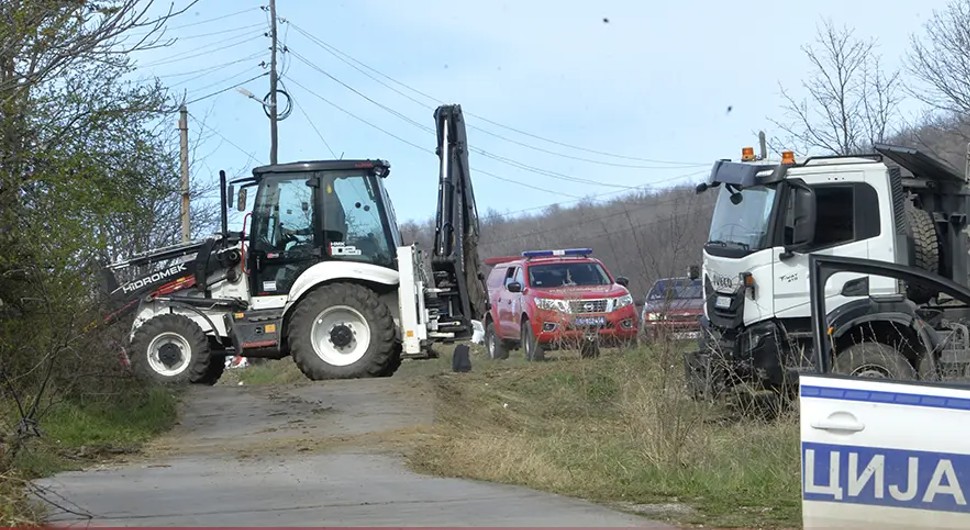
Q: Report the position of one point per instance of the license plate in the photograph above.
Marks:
(684, 335)
(590, 321)
(722, 302)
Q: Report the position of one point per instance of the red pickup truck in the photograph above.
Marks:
(555, 300)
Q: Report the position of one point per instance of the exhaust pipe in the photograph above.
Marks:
(224, 205)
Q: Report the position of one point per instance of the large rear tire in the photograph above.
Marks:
(342, 331)
(217, 367)
(395, 362)
(172, 349)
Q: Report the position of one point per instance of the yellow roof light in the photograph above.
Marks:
(747, 154)
(787, 158)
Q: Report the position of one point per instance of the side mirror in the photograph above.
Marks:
(694, 272)
(803, 214)
(514, 287)
(242, 200)
(623, 280)
(229, 193)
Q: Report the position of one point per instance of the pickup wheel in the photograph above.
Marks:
(172, 348)
(496, 349)
(873, 360)
(342, 331)
(530, 344)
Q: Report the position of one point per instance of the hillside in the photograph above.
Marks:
(649, 235)
(642, 235)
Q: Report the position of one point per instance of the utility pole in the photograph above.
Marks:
(272, 86)
(184, 156)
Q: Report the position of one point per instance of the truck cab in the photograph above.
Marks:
(770, 215)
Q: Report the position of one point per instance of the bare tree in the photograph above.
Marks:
(940, 59)
(851, 102)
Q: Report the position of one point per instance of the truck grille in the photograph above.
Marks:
(587, 306)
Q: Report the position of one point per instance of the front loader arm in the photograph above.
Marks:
(455, 265)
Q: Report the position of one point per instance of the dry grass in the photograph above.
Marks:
(618, 429)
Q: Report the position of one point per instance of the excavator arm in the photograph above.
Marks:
(455, 265)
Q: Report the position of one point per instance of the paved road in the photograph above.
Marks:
(321, 454)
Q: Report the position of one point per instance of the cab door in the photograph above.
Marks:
(285, 238)
(884, 454)
(847, 224)
(504, 301)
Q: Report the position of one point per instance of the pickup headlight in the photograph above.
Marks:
(622, 301)
(552, 304)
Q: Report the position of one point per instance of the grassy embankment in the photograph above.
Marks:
(618, 430)
(77, 431)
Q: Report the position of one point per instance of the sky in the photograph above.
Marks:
(562, 100)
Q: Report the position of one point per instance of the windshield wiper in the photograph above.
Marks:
(722, 243)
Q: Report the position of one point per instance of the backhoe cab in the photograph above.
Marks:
(319, 273)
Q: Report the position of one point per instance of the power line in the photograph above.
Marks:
(358, 118)
(482, 152)
(414, 145)
(333, 50)
(200, 22)
(642, 187)
(220, 135)
(307, 116)
(207, 70)
(216, 93)
(197, 53)
(239, 29)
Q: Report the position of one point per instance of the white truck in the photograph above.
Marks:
(896, 205)
(318, 273)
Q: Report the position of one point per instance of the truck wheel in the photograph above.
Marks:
(530, 344)
(342, 331)
(171, 349)
(699, 377)
(926, 249)
(873, 360)
(496, 349)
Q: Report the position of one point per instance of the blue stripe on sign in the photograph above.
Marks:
(895, 398)
(885, 477)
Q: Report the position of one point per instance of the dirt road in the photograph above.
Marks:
(314, 454)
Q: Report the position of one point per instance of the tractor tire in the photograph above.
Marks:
(496, 348)
(530, 344)
(172, 349)
(395, 362)
(217, 367)
(342, 331)
(873, 360)
(926, 249)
